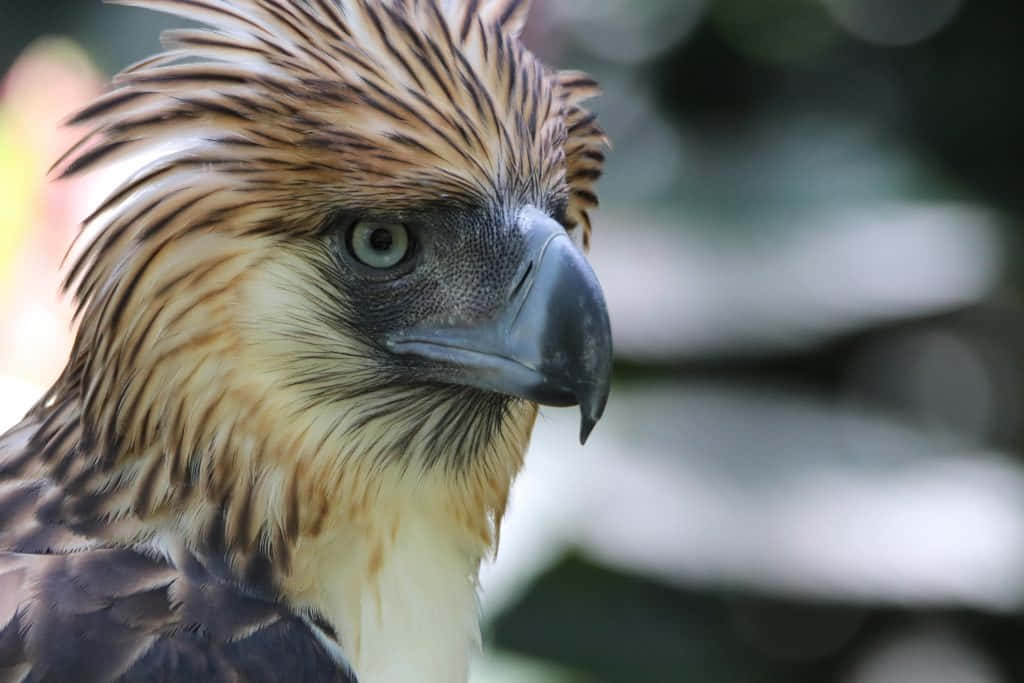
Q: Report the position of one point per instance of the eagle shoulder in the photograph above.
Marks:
(121, 616)
(78, 605)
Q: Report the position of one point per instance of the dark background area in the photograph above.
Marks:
(810, 245)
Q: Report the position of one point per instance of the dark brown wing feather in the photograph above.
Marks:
(117, 615)
(77, 608)
(74, 609)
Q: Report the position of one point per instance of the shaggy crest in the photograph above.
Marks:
(343, 101)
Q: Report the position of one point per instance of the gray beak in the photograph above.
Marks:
(551, 342)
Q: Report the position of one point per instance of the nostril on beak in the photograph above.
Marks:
(522, 281)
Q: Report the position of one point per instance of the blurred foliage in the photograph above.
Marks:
(759, 91)
(614, 627)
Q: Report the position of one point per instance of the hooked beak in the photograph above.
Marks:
(550, 343)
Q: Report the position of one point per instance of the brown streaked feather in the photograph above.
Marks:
(449, 66)
(510, 15)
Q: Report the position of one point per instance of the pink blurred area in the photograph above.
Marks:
(39, 215)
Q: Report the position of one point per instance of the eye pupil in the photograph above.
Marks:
(381, 239)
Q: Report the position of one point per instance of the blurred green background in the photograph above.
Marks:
(810, 469)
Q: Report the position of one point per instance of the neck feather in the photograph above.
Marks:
(379, 550)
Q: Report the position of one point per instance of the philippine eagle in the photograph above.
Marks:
(313, 334)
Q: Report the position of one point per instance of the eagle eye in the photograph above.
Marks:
(378, 244)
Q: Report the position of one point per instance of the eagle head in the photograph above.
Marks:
(348, 274)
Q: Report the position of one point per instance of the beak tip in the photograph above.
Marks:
(586, 427)
(590, 413)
